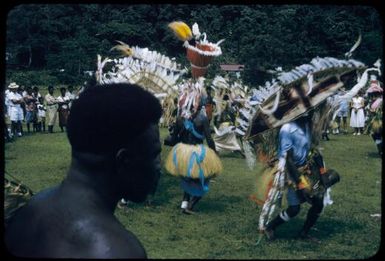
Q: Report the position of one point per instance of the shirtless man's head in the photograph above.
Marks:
(114, 136)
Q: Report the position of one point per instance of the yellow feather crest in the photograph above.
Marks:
(181, 30)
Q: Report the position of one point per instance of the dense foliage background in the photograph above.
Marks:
(42, 40)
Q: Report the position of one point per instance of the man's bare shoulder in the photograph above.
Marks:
(104, 238)
(69, 231)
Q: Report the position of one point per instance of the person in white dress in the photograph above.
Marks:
(357, 116)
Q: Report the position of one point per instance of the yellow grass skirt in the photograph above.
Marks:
(187, 160)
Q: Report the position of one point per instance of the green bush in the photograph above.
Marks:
(28, 78)
(43, 78)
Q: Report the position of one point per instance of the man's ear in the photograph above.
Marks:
(126, 157)
(122, 158)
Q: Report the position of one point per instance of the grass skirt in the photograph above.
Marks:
(264, 182)
(192, 160)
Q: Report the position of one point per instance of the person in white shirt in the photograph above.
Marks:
(7, 129)
(15, 110)
(63, 109)
(70, 95)
(41, 115)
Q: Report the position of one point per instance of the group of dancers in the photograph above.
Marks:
(280, 124)
(295, 103)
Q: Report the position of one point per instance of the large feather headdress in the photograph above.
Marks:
(200, 54)
(297, 91)
(153, 71)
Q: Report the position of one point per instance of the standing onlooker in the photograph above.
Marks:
(357, 116)
(70, 95)
(30, 108)
(63, 109)
(36, 93)
(51, 108)
(15, 109)
(342, 114)
(7, 130)
(41, 115)
(23, 92)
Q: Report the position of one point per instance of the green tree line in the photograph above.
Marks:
(51, 43)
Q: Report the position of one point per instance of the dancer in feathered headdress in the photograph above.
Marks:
(295, 101)
(190, 159)
(229, 99)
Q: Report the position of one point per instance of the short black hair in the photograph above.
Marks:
(107, 117)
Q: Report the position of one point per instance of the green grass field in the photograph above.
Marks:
(226, 223)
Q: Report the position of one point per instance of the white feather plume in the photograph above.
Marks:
(354, 47)
(195, 31)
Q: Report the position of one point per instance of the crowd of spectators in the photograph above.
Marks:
(27, 107)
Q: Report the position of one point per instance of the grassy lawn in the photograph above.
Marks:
(226, 223)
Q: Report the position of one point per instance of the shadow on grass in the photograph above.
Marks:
(324, 229)
(373, 154)
(218, 205)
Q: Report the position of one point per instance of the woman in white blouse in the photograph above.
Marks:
(357, 117)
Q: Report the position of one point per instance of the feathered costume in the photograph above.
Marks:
(284, 99)
(225, 110)
(190, 159)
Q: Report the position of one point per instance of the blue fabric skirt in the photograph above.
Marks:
(194, 187)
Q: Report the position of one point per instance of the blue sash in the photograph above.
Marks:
(190, 127)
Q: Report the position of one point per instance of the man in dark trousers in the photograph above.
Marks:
(115, 154)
